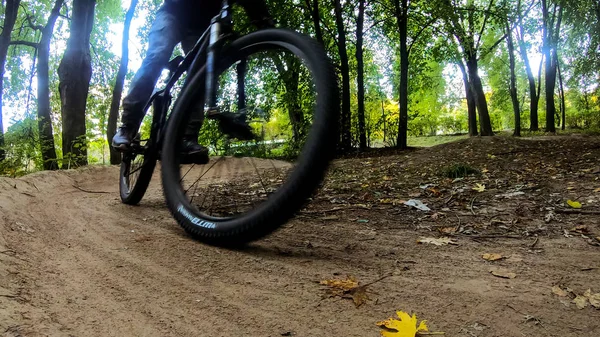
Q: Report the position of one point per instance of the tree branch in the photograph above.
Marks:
(490, 49)
(25, 43)
(485, 19)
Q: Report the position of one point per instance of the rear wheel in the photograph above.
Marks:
(288, 90)
(137, 167)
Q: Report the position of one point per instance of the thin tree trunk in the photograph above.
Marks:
(316, 17)
(534, 96)
(113, 116)
(402, 21)
(471, 106)
(485, 123)
(75, 72)
(513, 81)
(346, 141)
(563, 106)
(360, 79)
(550, 35)
(10, 17)
(43, 92)
(241, 84)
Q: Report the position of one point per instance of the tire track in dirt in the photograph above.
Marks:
(84, 264)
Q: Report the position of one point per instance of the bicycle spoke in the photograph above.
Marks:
(197, 180)
(259, 176)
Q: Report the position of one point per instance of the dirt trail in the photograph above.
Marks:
(74, 261)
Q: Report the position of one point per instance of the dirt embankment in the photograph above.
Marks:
(74, 261)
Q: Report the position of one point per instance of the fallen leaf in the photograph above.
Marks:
(348, 284)
(595, 300)
(448, 230)
(503, 274)
(581, 229)
(574, 204)
(479, 187)
(559, 291)
(349, 289)
(492, 257)
(418, 204)
(438, 242)
(597, 190)
(405, 327)
(581, 302)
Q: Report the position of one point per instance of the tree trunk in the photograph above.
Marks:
(471, 106)
(316, 17)
(111, 128)
(43, 91)
(360, 79)
(402, 20)
(346, 141)
(10, 17)
(513, 81)
(485, 124)
(75, 72)
(561, 89)
(533, 92)
(241, 84)
(550, 36)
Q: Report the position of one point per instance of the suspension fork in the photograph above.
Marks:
(219, 25)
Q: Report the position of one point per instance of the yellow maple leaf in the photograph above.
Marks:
(405, 327)
(574, 204)
(479, 187)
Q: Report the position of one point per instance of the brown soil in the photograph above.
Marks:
(74, 261)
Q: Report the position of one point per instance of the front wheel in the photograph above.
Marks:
(288, 90)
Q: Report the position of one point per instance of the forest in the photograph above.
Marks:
(406, 69)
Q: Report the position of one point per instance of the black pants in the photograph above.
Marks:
(166, 32)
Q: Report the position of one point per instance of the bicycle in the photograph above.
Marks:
(307, 144)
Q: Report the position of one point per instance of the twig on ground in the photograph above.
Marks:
(537, 238)
(471, 205)
(87, 191)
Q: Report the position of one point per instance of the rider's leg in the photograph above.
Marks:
(190, 144)
(165, 33)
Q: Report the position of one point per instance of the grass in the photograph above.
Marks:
(433, 140)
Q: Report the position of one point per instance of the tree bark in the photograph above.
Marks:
(485, 124)
(561, 89)
(10, 17)
(401, 7)
(550, 35)
(316, 17)
(43, 91)
(75, 72)
(360, 78)
(346, 141)
(471, 106)
(113, 116)
(513, 81)
(533, 92)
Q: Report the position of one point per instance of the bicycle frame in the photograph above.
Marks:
(209, 43)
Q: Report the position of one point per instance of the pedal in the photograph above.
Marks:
(233, 124)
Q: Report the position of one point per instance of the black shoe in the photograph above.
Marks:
(193, 153)
(234, 125)
(123, 138)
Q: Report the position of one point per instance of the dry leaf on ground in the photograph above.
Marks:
(479, 188)
(581, 302)
(581, 229)
(574, 204)
(559, 291)
(593, 298)
(405, 327)
(503, 274)
(438, 242)
(492, 257)
(350, 289)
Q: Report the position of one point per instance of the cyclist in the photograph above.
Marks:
(179, 21)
